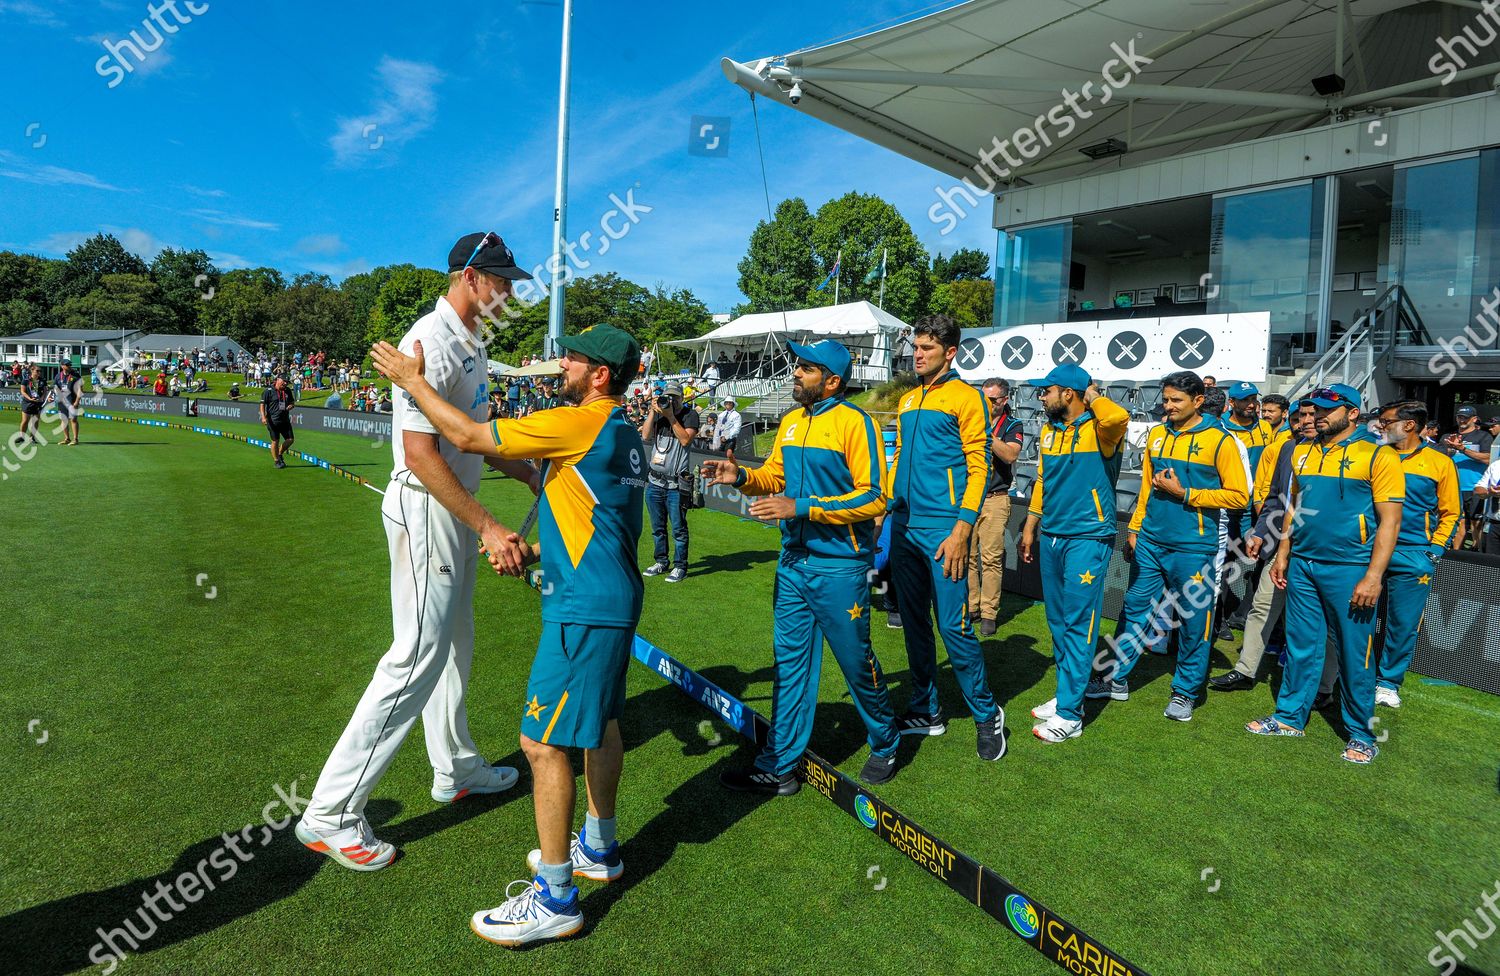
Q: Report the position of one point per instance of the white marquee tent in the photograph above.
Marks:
(870, 334)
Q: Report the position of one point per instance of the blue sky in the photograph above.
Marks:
(248, 132)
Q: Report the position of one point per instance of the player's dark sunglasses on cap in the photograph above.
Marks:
(490, 238)
(1325, 393)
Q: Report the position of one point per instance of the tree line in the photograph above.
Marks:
(102, 285)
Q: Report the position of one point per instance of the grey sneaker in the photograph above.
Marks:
(893, 620)
(1105, 688)
(655, 569)
(1180, 708)
(677, 575)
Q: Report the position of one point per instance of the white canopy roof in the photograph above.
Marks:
(850, 319)
(941, 88)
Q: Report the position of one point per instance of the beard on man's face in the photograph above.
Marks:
(807, 391)
(574, 390)
(1334, 426)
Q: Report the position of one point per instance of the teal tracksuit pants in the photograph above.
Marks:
(921, 590)
(817, 599)
(1073, 572)
(1408, 582)
(1317, 607)
(1176, 588)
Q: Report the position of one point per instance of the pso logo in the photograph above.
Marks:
(866, 810)
(1022, 916)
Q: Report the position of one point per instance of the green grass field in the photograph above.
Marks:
(169, 718)
(219, 383)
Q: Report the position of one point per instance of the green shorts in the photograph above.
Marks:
(577, 684)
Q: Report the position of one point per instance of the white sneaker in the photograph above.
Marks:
(587, 862)
(1057, 729)
(1387, 696)
(354, 847)
(1046, 710)
(489, 779)
(531, 916)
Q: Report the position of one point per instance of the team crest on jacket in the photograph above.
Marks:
(1047, 440)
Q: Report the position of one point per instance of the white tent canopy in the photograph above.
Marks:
(869, 333)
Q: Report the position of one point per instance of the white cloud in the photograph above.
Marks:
(142, 243)
(61, 242)
(16, 167)
(231, 220)
(403, 109)
(202, 192)
(321, 244)
(36, 13)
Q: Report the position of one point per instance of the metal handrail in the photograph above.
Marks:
(1371, 337)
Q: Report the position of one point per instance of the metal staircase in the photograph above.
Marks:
(1359, 357)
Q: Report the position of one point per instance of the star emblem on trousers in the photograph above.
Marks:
(535, 708)
(856, 611)
(1086, 577)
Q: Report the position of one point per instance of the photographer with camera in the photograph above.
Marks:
(667, 431)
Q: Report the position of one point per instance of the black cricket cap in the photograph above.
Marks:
(487, 253)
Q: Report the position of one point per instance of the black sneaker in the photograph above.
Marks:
(878, 769)
(893, 620)
(1322, 701)
(992, 737)
(920, 723)
(988, 627)
(1231, 681)
(753, 780)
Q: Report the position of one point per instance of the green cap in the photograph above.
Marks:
(608, 345)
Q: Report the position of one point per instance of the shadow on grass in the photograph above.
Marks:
(733, 562)
(60, 936)
(699, 810)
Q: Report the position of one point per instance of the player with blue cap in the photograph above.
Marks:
(1078, 468)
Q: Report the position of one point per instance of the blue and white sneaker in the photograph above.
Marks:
(587, 862)
(531, 916)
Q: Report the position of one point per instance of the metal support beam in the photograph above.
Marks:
(1421, 84)
(1135, 90)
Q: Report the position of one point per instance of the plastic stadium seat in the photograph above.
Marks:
(1122, 393)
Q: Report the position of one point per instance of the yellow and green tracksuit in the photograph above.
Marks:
(1176, 550)
(1257, 438)
(830, 460)
(1265, 471)
(1074, 496)
(1429, 517)
(938, 479)
(1335, 488)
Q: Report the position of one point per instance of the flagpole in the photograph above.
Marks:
(560, 271)
(881, 305)
(836, 262)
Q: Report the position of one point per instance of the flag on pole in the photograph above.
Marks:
(834, 273)
(877, 273)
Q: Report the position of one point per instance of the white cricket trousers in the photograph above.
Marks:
(434, 557)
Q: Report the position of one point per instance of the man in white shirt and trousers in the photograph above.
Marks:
(727, 430)
(433, 524)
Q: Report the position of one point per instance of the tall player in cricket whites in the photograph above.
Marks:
(593, 497)
(432, 521)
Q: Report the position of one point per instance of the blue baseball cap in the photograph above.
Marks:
(1067, 376)
(1241, 391)
(830, 355)
(1336, 395)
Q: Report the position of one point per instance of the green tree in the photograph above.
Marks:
(861, 225)
(779, 270)
(25, 296)
(970, 302)
(184, 278)
(243, 306)
(364, 288)
(407, 295)
(312, 314)
(89, 262)
(966, 264)
(121, 301)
